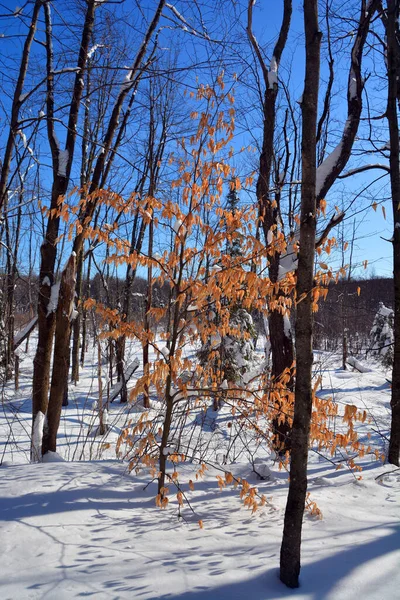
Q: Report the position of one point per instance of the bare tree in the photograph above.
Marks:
(18, 99)
(87, 212)
(290, 550)
(61, 165)
(280, 337)
(393, 70)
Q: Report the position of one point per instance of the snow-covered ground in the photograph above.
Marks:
(77, 528)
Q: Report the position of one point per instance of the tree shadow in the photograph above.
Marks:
(318, 578)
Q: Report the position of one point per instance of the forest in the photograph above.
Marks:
(200, 299)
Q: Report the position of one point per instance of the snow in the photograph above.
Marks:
(52, 457)
(273, 73)
(127, 83)
(25, 141)
(215, 340)
(37, 435)
(327, 166)
(21, 334)
(46, 281)
(73, 528)
(116, 389)
(93, 49)
(65, 70)
(286, 327)
(288, 261)
(179, 227)
(103, 537)
(353, 362)
(53, 302)
(352, 85)
(385, 311)
(63, 156)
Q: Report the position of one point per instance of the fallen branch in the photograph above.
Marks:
(116, 389)
(23, 334)
(353, 362)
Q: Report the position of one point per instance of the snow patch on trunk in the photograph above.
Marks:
(53, 302)
(63, 162)
(273, 74)
(37, 436)
(286, 327)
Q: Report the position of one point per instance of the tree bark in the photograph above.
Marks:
(336, 161)
(281, 344)
(48, 250)
(290, 549)
(17, 102)
(76, 327)
(393, 68)
(61, 355)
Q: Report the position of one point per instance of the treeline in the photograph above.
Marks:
(350, 307)
(107, 291)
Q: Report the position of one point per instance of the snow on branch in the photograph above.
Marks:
(24, 332)
(363, 168)
(335, 220)
(333, 165)
(186, 26)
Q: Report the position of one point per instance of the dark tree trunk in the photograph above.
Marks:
(282, 353)
(163, 457)
(147, 318)
(290, 549)
(11, 274)
(48, 250)
(76, 327)
(281, 345)
(393, 67)
(18, 99)
(61, 355)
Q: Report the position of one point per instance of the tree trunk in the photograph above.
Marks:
(61, 355)
(393, 67)
(16, 104)
(282, 353)
(290, 549)
(48, 250)
(100, 383)
(281, 345)
(149, 299)
(76, 327)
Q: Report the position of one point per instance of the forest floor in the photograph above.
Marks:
(87, 528)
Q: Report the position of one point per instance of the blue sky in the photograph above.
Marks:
(371, 226)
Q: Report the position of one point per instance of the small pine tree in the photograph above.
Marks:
(232, 202)
(232, 353)
(382, 335)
